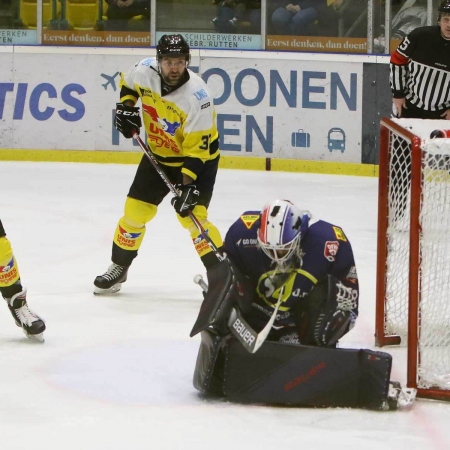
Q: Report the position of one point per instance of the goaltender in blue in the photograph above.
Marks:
(275, 310)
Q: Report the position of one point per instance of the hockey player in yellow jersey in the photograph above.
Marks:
(15, 294)
(180, 121)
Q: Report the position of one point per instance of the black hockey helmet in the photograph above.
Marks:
(443, 8)
(173, 45)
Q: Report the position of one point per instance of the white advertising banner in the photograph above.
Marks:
(62, 101)
(291, 109)
(309, 110)
(6, 101)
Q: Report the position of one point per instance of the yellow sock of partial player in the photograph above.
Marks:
(9, 271)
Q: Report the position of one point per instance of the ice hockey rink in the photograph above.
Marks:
(116, 372)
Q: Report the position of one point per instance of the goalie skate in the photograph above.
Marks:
(398, 397)
(111, 281)
(32, 325)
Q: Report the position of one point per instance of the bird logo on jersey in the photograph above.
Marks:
(168, 127)
(8, 273)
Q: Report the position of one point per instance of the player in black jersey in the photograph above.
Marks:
(420, 71)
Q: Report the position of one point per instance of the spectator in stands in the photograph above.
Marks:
(119, 12)
(231, 14)
(345, 18)
(296, 17)
(406, 17)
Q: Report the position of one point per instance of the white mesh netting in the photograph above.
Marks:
(434, 245)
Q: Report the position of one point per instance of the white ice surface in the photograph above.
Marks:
(116, 373)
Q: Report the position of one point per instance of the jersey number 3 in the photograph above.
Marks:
(205, 140)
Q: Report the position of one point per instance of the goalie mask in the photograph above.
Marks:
(282, 227)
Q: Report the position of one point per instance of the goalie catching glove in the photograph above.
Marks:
(127, 119)
(187, 198)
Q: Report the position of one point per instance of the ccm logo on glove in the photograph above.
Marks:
(127, 120)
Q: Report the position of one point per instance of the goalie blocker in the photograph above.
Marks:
(284, 374)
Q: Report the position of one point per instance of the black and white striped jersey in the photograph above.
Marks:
(420, 69)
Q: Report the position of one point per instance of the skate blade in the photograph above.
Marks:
(34, 337)
(112, 290)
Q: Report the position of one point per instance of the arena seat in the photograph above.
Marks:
(28, 12)
(81, 14)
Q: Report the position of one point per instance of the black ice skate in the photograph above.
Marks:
(111, 281)
(32, 325)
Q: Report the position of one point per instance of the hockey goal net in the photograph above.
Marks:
(413, 259)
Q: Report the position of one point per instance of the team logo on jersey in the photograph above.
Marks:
(168, 127)
(330, 250)
(127, 235)
(201, 246)
(8, 266)
(8, 273)
(201, 94)
(127, 239)
(339, 234)
(146, 92)
(145, 62)
(249, 219)
(247, 242)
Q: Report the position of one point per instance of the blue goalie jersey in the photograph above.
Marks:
(325, 250)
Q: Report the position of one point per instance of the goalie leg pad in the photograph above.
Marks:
(208, 374)
(306, 376)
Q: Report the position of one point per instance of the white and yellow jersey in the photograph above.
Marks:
(181, 125)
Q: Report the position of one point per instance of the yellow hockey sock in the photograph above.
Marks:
(9, 271)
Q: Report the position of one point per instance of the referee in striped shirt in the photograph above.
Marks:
(420, 71)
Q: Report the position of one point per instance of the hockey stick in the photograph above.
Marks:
(245, 334)
(172, 189)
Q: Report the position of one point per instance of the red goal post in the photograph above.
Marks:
(413, 251)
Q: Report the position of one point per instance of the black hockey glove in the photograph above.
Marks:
(128, 118)
(187, 199)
